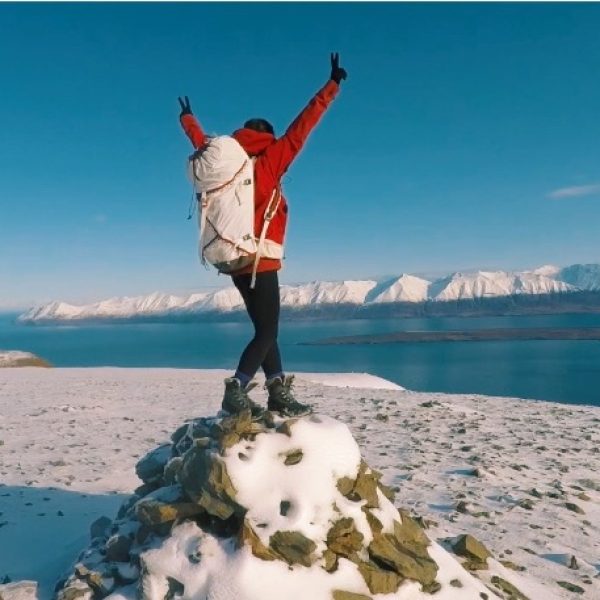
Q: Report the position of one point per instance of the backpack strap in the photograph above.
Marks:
(270, 212)
(203, 200)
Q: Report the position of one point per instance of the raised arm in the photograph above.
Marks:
(190, 124)
(280, 155)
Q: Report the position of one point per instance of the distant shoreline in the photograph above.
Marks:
(475, 335)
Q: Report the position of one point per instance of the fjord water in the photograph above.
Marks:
(563, 371)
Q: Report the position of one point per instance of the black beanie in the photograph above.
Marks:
(261, 125)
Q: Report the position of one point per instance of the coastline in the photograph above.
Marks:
(470, 335)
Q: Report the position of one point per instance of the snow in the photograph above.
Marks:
(350, 380)
(263, 481)
(71, 438)
(326, 292)
(407, 288)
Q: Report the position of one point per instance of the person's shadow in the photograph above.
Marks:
(43, 531)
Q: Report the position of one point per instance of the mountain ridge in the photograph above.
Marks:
(405, 289)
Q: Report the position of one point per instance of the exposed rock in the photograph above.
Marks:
(469, 547)
(249, 537)
(343, 538)
(409, 531)
(345, 485)
(571, 587)
(100, 527)
(286, 427)
(526, 503)
(293, 547)
(341, 595)
(378, 580)
(508, 588)
(374, 523)
(330, 561)
(150, 468)
(293, 457)
(118, 547)
(575, 508)
(205, 480)
(19, 590)
(407, 558)
(153, 512)
(363, 488)
(171, 470)
(512, 566)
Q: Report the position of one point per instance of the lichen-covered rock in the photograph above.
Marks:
(292, 457)
(378, 580)
(366, 485)
(409, 560)
(343, 538)
(472, 549)
(154, 512)
(508, 588)
(204, 478)
(248, 537)
(341, 595)
(293, 547)
(330, 561)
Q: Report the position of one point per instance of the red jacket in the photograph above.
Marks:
(273, 157)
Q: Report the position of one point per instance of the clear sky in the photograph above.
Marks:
(466, 136)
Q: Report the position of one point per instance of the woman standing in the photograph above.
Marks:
(272, 157)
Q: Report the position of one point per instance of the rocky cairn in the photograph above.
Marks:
(236, 508)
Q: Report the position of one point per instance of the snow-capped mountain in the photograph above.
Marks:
(326, 292)
(406, 288)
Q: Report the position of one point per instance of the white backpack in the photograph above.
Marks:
(223, 177)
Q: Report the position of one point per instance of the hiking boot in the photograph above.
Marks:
(282, 400)
(236, 398)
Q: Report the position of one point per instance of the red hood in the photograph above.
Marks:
(253, 142)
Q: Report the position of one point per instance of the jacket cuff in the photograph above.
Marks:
(187, 119)
(330, 90)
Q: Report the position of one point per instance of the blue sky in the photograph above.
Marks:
(466, 135)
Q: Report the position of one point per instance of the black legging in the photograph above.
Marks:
(262, 304)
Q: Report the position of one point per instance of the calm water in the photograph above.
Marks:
(564, 371)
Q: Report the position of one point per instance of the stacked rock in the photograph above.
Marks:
(235, 508)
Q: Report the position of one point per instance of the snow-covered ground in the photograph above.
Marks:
(526, 473)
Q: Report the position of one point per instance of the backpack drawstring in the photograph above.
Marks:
(193, 204)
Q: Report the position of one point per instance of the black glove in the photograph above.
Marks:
(337, 73)
(186, 108)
